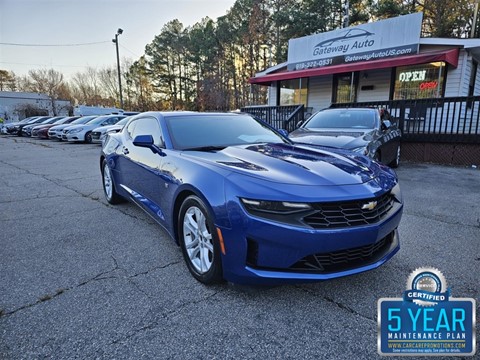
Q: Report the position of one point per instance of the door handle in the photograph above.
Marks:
(125, 151)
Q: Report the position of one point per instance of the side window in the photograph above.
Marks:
(146, 126)
(130, 129)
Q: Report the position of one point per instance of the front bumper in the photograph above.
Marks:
(265, 252)
(75, 137)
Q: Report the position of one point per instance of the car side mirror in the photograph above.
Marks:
(146, 141)
(386, 124)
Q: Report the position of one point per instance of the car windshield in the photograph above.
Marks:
(98, 120)
(191, 132)
(34, 120)
(334, 119)
(123, 121)
(83, 120)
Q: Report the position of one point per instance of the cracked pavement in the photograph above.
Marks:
(83, 279)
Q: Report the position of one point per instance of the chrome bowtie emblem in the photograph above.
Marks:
(369, 206)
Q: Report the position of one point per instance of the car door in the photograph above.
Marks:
(141, 167)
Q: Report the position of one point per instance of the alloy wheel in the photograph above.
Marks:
(107, 181)
(198, 240)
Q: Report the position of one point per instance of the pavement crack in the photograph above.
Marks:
(151, 325)
(336, 303)
(47, 297)
(155, 268)
(443, 221)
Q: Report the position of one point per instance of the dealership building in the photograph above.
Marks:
(430, 85)
(383, 60)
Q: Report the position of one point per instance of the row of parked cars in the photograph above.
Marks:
(88, 129)
(366, 131)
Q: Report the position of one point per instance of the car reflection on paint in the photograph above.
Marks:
(363, 130)
(247, 205)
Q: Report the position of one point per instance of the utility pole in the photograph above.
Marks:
(119, 32)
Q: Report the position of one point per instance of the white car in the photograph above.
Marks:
(99, 133)
(83, 132)
(55, 132)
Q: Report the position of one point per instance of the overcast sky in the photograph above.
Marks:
(59, 22)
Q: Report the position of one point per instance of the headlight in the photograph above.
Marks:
(73, 131)
(275, 207)
(397, 193)
(281, 211)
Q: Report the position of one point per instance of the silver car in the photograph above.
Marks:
(99, 133)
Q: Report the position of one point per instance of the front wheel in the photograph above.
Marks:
(108, 185)
(199, 241)
(88, 137)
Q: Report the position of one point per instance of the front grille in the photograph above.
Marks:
(345, 259)
(348, 214)
(96, 135)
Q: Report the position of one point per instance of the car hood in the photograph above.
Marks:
(43, 126)
(61, 127)
(341, 138)
(292, 164)
(78, 126)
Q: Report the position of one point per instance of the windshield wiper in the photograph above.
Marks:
(206, 148)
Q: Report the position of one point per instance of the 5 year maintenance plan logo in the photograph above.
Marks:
(427, 320)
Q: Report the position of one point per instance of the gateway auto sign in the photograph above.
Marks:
(387, 38)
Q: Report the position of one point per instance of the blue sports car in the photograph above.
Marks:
(247, 205)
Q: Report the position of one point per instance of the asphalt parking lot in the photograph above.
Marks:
(82, 279)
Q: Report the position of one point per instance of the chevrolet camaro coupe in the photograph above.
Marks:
(247, 205)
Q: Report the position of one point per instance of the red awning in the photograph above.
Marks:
(449, 56)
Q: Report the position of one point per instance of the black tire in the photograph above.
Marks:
(396, 161)
(88, 137)
(377, 156)
(107, 181)
(209, 270)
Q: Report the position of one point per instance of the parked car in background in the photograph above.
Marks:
(37, 120)
(366, 131)
(98, 134)
(248, 205)
(56, 132)
(41, 131)
(51, 121)
(11, 128)
(27, 130)
(83, 132)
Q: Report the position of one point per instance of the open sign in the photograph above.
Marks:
(428, 85)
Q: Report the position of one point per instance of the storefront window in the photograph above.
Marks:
(419, 81)
(293, 92)
(345, 88)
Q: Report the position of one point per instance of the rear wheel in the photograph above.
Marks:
(108, 185)
(396, 161)
(199, 241)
